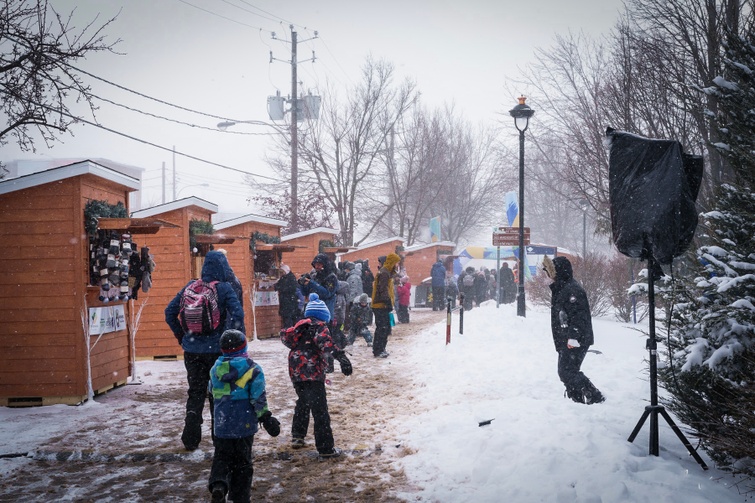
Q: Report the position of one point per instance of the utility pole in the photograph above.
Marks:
(295, 117)
(294, 138)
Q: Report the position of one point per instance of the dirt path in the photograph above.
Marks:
(113, 458)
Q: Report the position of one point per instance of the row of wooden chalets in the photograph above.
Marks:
(85, 279)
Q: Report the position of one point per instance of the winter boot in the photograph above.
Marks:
(332, 454)
(218, 492)
(591, 394)
(192, 433)
(575, 394)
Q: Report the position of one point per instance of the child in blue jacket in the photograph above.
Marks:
(237, 385)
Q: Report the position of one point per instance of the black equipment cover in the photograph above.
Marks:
(653, 186)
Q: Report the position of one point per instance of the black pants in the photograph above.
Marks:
(312, 398)
(232, 465)
(403, 313)
(439, 301)
(198, 366)
(569, 364)
(382, 329)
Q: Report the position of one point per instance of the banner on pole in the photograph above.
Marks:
(435, 229)
(511, 201)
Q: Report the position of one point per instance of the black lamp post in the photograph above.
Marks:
(584, 205)
(521, 114)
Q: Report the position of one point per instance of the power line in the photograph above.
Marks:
(176, 121)
(163, 102)
(172, 150)
(218, 15)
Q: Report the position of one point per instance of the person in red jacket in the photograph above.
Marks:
(310, 343)
(404, 291)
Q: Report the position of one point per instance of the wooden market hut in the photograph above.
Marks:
(419, 260)
(306, 245)
(47, 299)
(177, 263)
(255, 256)
(371, 251)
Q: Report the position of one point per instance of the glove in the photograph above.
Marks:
(272, 426)
(344, 362)
(563, 319)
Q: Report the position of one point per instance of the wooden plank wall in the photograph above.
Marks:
(110, 355)
(419, 263)
(300, 261)
(170, 248)
(43, 278)
(265, 319)
(372, 253)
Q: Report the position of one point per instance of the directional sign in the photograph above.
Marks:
(509, 236)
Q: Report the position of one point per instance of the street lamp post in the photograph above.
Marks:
(192, 185)
(583, 204)
(521, 114)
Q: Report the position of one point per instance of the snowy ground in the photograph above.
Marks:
(409, 425)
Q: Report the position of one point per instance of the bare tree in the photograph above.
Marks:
(343, 151)
(474, 178)
(567, 84)
(682, 43)
(38, 81)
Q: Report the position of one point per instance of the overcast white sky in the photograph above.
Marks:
(214, 57)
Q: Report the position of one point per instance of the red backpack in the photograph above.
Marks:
(200, 310)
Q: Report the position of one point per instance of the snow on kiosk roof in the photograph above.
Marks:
(65, 172)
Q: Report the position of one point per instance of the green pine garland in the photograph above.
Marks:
(264, 237)
(198, 227)
(96, 209)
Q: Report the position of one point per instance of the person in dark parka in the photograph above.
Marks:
(288, 301)
(438, 284)
(571, 326)
(201, 351)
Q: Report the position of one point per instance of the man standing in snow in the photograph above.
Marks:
(383, 301)
(571, 325)
(438, 283)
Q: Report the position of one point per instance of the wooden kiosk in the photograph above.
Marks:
(307, 244)
(177, 263)
(46, 298)
(255, 256)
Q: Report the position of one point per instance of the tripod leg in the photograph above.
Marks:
(684, 440)
(639, 425)
(653, 439)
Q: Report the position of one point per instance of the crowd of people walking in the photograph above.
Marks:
(322, 313)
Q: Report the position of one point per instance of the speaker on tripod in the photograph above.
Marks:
(653, 186)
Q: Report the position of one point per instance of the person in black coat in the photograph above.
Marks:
(571, 326)
(508, 284)
(288, 301)
(438, 283)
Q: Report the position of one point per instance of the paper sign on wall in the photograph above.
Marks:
(264, 298)
(103, 320)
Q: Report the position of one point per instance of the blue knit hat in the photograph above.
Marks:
(317, 308)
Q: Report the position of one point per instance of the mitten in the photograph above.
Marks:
(272, 426)
(344, 362)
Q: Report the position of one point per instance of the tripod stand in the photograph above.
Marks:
(654, 409)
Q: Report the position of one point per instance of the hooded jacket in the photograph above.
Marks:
(310, 343)
(438, 275)
(383, 292)
(324, 283)
(237, 385)
(231, 311)
(568, 297)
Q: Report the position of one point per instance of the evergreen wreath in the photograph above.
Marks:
(96, 209)
(264, 237)
(198, 227)
(325, 243)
